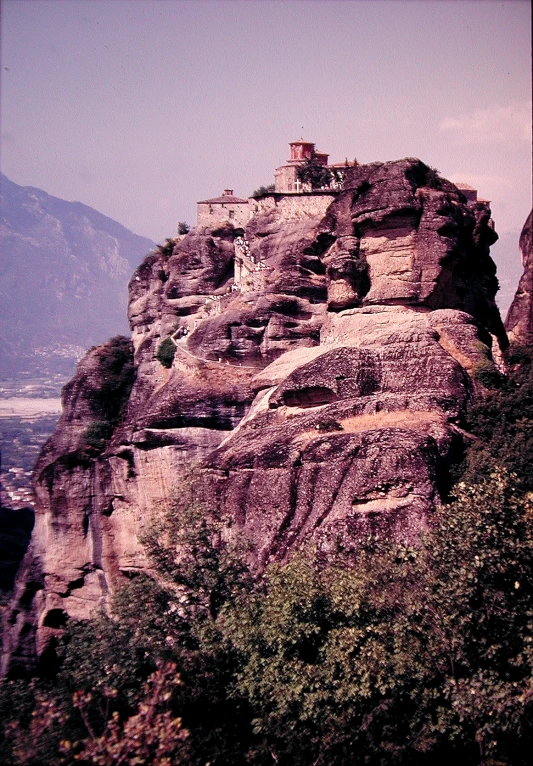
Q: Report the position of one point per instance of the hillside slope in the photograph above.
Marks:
(64, 270)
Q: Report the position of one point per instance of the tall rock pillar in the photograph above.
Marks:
(519, 322)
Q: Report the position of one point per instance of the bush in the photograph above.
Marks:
(413, 656)
(112, 386)
(166, 352)
(262, 191)
(486, 373)
(112, 668)
(501, 419)
(117, 374)
(183, 227)
(317, 175)
(167, 248)
(96, 436)
(327, 425)
(148, 737)
(433, 178)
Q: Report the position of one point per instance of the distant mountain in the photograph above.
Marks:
(64, 271)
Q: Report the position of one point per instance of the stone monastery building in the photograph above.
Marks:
(224, 208)
(238, 211)
(297, 199)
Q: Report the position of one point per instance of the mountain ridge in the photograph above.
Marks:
(64, 274)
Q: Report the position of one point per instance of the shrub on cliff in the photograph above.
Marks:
(110, 387)
(262, 191)
(166, 353)
(117, 374)
(96, 436)
(316, 175)
(501, 419)
(167, 248)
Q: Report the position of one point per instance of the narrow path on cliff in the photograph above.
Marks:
(183, 350)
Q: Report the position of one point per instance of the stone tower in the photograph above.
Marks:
(286, 179)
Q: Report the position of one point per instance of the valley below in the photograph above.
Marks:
(29, 411)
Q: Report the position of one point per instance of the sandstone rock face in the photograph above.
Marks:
(317, 389)
(519, 321)
(348, 438)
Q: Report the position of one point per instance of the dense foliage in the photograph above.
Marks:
(166, 352)
(117, 373)
(414, 656)
(317, 175)
(262, 191)
(502, 421)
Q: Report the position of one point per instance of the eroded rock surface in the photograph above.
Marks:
(318, 369)
(519, 320)
(350, 437)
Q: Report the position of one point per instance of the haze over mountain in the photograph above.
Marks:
(64, 272)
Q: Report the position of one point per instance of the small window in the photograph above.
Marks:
(232, 214)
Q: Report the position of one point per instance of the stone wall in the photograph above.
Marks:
(285, 178)
(212, 213)
(293, 207)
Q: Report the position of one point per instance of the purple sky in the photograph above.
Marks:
(140, 108)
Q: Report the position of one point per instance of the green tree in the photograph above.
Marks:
(166, 352)
(412, 655)
(317, 175)
(262, 191)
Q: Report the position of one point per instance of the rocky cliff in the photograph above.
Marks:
(519, 320)
(311, 369)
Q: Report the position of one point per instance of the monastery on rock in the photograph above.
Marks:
(294, 199)
(238, 211)
(297, 199)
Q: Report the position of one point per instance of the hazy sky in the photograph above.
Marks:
(140, 108)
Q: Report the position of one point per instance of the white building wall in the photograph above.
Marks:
(210, 213)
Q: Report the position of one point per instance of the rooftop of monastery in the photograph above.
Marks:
(226, 197)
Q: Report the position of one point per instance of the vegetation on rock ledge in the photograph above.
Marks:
(262, 191)
(116, 374)
(317, 175)
(166, 353)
